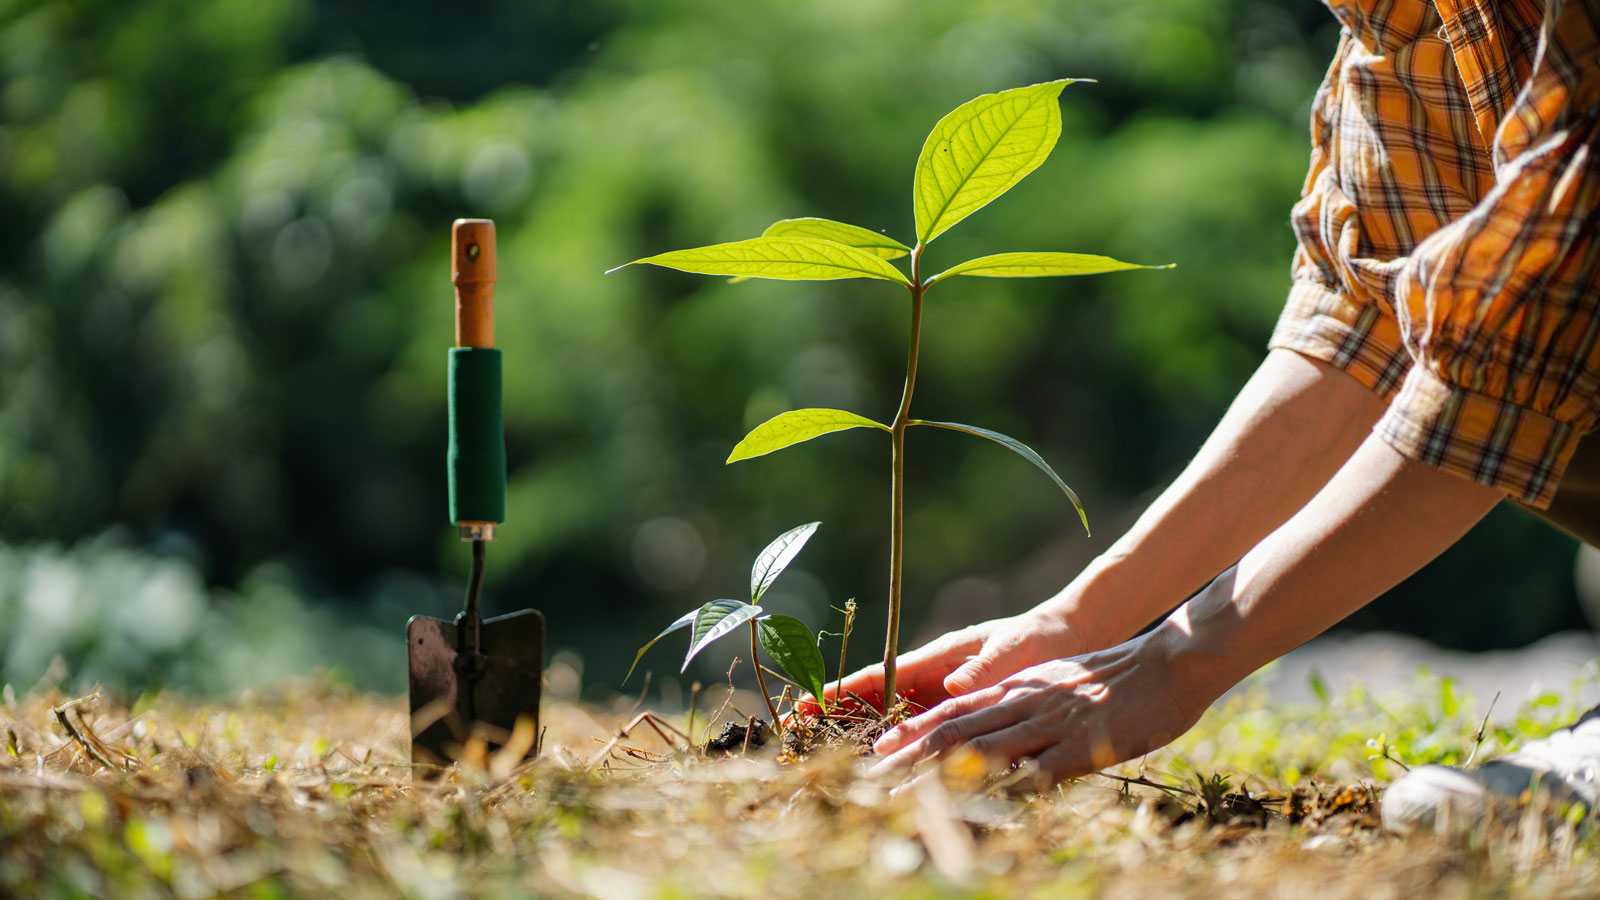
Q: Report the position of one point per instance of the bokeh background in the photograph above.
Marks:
(224, 308)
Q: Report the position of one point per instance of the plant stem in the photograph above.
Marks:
(844, 644)
(897, 501)
(762, 680)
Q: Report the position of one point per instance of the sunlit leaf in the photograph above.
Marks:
(1038, 265)
(794, 648)
(979, 150)
(786, 258)
(1022, 450)
(714, 620)
(683, 621)
(771, 561)
(840, 233)
(795, 426)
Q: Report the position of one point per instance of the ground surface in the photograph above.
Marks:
(304, 792)
(1384, 664)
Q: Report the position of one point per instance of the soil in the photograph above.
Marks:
(808, 734)
(737, 737)
(805, 732)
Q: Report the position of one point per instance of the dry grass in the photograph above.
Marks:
(306, 792)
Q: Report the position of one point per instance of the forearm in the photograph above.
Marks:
(1291, 427)
(1379, 519)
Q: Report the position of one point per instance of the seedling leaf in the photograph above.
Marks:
(1038, 265)
(786, 258)
(1022, 450)
(771, 562)
(795, 426)
(714, 620)
(839, 232)
(683, 621)
(980, 150)
(794, 648)
(873, 242)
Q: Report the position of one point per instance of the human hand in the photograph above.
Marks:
(1071, 716)
(967, 659)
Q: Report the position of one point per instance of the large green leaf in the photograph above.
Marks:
(982, 148)
(771, 561)
(1038, 265)
(840, 233)
(787, 258)
(684, 621)
(795, 426)
(714, 620)
(794, 648)
(1022, 450)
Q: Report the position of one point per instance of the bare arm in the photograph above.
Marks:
(1378, 520)
(1291, 427)
(1289, 430)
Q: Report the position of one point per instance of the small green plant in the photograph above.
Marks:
(786, 639)
(974, 154)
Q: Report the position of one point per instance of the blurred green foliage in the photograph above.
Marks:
(132, 619)
(224, 298)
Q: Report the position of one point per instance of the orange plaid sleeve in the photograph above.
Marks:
(1325, 318)
(1449, 231)
(1394, 157)
(1501, 307)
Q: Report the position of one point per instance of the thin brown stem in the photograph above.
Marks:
(844, 645)
(94, 752)
(1483, 729)
(762, 680)
(897, 500)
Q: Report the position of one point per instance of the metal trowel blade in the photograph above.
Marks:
(443, 717)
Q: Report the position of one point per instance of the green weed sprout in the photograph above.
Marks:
(786, 639)
(974, 154)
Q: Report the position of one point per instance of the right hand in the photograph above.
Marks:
(966, 660)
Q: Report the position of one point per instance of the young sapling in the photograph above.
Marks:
(786, 639)
(973, 155)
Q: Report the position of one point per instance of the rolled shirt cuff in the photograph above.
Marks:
(1508, 447)
(1357, 338)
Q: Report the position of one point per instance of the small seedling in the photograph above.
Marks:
(1382, 749)
(786, 639)
(974, 154)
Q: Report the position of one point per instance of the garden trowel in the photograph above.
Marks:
(475, 681)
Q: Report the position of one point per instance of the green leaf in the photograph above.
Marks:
(787, 258)
(1022, 450)
(771, 561)
(1038, 265)
(1449, 703)
(794, 648)
(683, 621)
(1319, 686)
(982, 148)
(840, 233)
(795, 426)
(714, 620)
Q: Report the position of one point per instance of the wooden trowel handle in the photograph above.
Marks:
(477, 455)
(473, 272)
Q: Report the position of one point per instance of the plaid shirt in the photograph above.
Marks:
(1449, 230)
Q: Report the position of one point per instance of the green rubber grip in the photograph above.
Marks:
(477, 460)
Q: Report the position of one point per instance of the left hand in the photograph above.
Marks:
(1071, 716)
